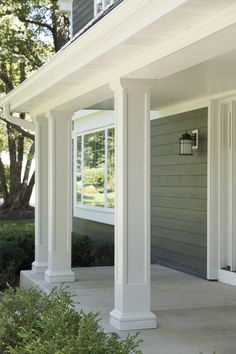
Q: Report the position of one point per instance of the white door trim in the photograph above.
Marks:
(221, 239)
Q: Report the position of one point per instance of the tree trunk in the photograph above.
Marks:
(3, 182)
(17, 195)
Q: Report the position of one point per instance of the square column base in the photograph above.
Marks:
(132, 321)
(59, 277)
(38, 267)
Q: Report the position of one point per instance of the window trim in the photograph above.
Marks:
(82, 206)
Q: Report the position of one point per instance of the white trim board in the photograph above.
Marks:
(227, 277)
(90, 121)
(104, 216)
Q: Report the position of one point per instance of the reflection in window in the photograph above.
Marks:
(111, 168)
(79, 170)
(96, 168)
(101, 5)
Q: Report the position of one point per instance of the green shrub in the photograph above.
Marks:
(87, 252)
(32, 322)
(16, 254)
(83, 250)
(104, 254)
(17, 251)
(94, 177)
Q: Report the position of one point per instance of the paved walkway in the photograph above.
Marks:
(194, 316)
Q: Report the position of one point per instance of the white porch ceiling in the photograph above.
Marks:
(138, 39)
(207, 79)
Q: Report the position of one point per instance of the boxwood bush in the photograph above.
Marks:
(17, 251)
(32, 322)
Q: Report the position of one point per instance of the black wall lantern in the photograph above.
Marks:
(188, 143)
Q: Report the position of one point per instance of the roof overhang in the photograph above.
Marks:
(138, 39)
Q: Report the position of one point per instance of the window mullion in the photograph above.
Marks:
(82, 170)
(106, 166)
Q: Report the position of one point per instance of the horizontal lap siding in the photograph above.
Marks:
(95, 230)
(83, 12)
(179, 194)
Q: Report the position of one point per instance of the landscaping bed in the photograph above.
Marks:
(17, 250)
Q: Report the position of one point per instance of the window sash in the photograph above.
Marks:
(101, 5)
(81, 203)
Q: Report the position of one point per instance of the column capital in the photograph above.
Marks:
(56, 115)
(131, 84)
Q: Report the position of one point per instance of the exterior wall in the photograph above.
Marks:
(83, 12)
(93, 229)
(179, 194)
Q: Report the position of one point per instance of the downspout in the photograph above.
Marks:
(17, 121)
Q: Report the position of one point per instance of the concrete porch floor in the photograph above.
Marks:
(194, 315)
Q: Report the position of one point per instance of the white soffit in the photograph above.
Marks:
(137, 39)
(207, 79)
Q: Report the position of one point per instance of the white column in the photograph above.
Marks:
(59, 197)
(41, 195)
(132, 213)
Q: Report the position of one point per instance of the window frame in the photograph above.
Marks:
(104, 7)
(86, 206)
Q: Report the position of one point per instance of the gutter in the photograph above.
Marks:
(17, 121)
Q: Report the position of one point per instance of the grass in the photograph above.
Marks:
(98, 199)
(17, 226)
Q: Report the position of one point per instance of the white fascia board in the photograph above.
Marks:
(119, 22)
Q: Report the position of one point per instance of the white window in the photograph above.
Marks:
(95, 171)
(101, 5)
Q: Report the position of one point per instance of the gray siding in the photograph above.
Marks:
(179, 194)
(83, 12)
(178, 197)
(93, 229)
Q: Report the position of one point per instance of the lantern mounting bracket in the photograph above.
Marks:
(195, 136)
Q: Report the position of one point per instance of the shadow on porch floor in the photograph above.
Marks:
(194, 315)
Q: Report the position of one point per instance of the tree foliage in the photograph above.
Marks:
(30, 32)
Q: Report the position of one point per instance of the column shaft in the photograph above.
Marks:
(132, 213)
(41, 195)
(59, 198)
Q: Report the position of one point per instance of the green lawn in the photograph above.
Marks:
(98, 199)
(17, 226)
